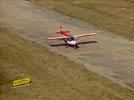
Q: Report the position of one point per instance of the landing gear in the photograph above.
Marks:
(66, 45)
(76, 46)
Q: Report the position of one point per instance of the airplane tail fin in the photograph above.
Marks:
(62, 32)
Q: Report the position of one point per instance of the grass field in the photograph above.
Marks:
(55, 81)
(113, 15)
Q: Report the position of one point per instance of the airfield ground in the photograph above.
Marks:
(53, 76)
(114, 15)
(105, 54)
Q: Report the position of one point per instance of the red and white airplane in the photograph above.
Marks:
(69, 39)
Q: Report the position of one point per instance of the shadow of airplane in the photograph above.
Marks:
(80, 43)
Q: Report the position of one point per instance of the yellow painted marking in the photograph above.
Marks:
(21, 81)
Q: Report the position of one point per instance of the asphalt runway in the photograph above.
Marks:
(106, 53)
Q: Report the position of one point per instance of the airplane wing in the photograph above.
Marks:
(57, 38)
(84, 35)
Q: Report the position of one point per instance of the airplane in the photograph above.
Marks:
(69, 39)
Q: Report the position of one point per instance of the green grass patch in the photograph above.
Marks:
(55, 77)
(3, 79)
(114, 15)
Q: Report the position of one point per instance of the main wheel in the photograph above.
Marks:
(76, 46)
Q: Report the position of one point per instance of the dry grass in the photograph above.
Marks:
(53, 76)
(114, 15)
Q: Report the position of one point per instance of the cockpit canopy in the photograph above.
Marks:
(71, 38)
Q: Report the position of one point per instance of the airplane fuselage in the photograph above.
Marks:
(71, 41)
